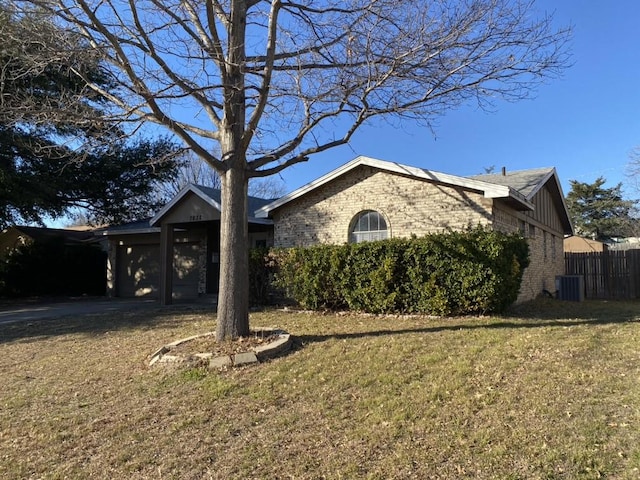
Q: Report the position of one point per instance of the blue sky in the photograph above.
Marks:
(584, 124)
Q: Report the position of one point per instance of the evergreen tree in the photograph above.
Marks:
(598, 212)
(56, 154)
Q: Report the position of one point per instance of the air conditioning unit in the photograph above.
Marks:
(570, 287)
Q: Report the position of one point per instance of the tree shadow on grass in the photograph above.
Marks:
(98, 323)
(598, 311)
(537, 314)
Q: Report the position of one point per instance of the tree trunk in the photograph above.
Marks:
(233, 299)
(233, 296)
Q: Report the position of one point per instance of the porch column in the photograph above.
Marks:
(166, 264)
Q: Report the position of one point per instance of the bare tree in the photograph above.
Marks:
(195, 170)
(192, 169)
(633, 169)
(255, 86)
(268, 187)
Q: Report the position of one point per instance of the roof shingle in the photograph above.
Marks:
(526, 182)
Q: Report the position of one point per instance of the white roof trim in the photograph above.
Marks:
(542, 183)
(132, 231)
(553, 174)
(489, 190)
(180, 195)
(147, 230)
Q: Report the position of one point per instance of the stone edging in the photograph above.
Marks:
(258, 354)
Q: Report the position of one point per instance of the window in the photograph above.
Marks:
(368, 226)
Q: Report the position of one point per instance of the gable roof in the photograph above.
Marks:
(488, 189)
(529, 183)
(216, 194)
(213, 197)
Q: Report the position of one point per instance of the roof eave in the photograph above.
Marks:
(260, 221)
(133, 231)
(489, 190)
(569, 226)
(515, 199)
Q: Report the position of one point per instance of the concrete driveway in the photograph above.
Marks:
(20, 312)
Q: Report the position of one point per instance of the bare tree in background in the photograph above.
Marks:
(255, 86)
(632, 180)
(633, 169)
(268, 187)
(192, 170)
(195, 170)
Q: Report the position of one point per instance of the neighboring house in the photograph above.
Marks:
(628, 243)
(575, 244)
(365, 199)
(16, 236)
(61, 262)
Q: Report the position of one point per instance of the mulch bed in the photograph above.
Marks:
(208, 344)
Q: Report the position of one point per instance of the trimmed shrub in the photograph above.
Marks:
(313, 277)
(372, 273)
(476, 271)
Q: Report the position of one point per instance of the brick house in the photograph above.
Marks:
(369, 199)
(365, 199)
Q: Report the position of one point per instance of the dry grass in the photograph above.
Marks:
(550, 391)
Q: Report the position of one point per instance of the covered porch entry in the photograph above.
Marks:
(196, 212)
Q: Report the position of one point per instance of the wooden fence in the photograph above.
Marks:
(607, 275)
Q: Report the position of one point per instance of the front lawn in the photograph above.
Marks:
(550, 391)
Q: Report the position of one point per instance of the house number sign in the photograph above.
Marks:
(195, 218)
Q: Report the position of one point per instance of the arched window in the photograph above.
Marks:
(368, 226)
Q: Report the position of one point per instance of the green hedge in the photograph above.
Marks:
(476, 271)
